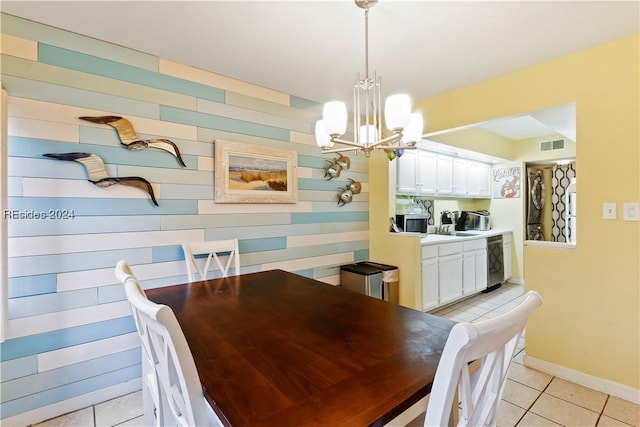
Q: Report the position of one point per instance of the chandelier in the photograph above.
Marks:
(405, 127)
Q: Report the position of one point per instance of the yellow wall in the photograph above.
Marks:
(590, 321)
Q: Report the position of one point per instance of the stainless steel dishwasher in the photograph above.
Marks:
(495, 263)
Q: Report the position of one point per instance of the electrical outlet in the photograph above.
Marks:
(631, 211)
(609, 211)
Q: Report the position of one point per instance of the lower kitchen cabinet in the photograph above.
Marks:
(429, 283)
(449, 278)
(506, 254)
(474, 266)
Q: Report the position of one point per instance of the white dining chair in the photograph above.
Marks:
(473, 368)
(215, 250)
(172, 391)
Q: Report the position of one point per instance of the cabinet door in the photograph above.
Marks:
(450, 277)
(460, 167)
(473, 176)
(444, 184)
(481, 269)
(429, 283)
(427, 172)
(468, 272)
(484, 180)
(407, 178)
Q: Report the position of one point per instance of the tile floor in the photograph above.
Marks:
(531, 398)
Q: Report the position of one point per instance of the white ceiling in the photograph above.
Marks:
(314, 49)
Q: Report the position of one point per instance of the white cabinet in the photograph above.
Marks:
(429, 277)
(460, 172)
(426, 173)
(444, 175)
(474, 266)
(506, 251)
(407, 172)
(449, 272)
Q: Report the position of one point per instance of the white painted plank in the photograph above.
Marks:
(305, 172)
(16, 46)
(205, 164)
(210, 207)
(105, 276)
(216, 80)
(322, 239)
(87, 351)
(29, 128)
(312, 262)
(45, 245)
(66, 319)
(44, 187)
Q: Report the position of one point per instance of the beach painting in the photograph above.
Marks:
(254, 174)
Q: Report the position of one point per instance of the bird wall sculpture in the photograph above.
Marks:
(129, 138)
(98, 174)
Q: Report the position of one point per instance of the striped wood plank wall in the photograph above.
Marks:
(70, 339)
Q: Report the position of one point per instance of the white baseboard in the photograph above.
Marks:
(516, 281)
(80, 402)
(606, 386)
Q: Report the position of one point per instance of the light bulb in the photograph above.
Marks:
(413, 132)
(397, 109)
(334, 115)
(323, 139)
(367, 135)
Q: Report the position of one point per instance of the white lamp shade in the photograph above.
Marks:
(334, 115)
(322, 137)
(367, 132)
(413, 132)
(397, 109)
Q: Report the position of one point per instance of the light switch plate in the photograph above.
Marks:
(609, 211)
(631, 211)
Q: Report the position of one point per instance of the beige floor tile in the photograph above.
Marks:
(563, 412)
(519, 357)
(520, 394)
(623, 410)
(136, 422)
(574, 393)
(477, 311)
(532, 420)
(509, 414)
(529, 377)
(81, 418)
(118, 410)
(605, 421)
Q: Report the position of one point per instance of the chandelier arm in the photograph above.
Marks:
(345, 142)
(339, 150)
(397, 147)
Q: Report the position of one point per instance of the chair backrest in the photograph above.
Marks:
(491, 344)
(214, 250)
(171, 378)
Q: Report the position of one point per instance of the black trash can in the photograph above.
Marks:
(390, 280)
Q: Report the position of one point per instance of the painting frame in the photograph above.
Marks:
(506, 182)
(246, 173)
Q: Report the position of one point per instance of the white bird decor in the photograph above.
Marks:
(98, 174)
(129, 138)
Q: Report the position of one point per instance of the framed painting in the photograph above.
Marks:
(506, 183)
(254, 174)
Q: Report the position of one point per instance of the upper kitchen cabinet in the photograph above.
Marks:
(427, 173)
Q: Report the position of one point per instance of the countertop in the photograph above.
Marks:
(433, 238)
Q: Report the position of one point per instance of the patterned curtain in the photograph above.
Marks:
(561, 179)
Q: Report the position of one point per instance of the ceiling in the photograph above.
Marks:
(314, 49)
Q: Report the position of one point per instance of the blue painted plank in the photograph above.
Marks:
(306, 273)
(261, 245)
(40, 343)
(32, 285)
(186, 191)
(54, 378)
(103, 207)
(308, 218)
(103, 67)
(32, 89)
(59, 263)
(305, 104)
(36, 31)
(179, 115)
(167, 253)
(361, 255)
(111, 293)
(324, 185)
(51, 303)
(16, 368)
(58, 394)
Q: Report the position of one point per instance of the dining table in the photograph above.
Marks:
(278, 349)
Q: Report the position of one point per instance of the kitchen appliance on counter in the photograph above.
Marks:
(412, 223)
(446, 217)
(473, 220)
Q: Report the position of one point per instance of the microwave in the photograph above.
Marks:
(412, 223)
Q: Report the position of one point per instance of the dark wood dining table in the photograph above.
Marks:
(278, 349)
